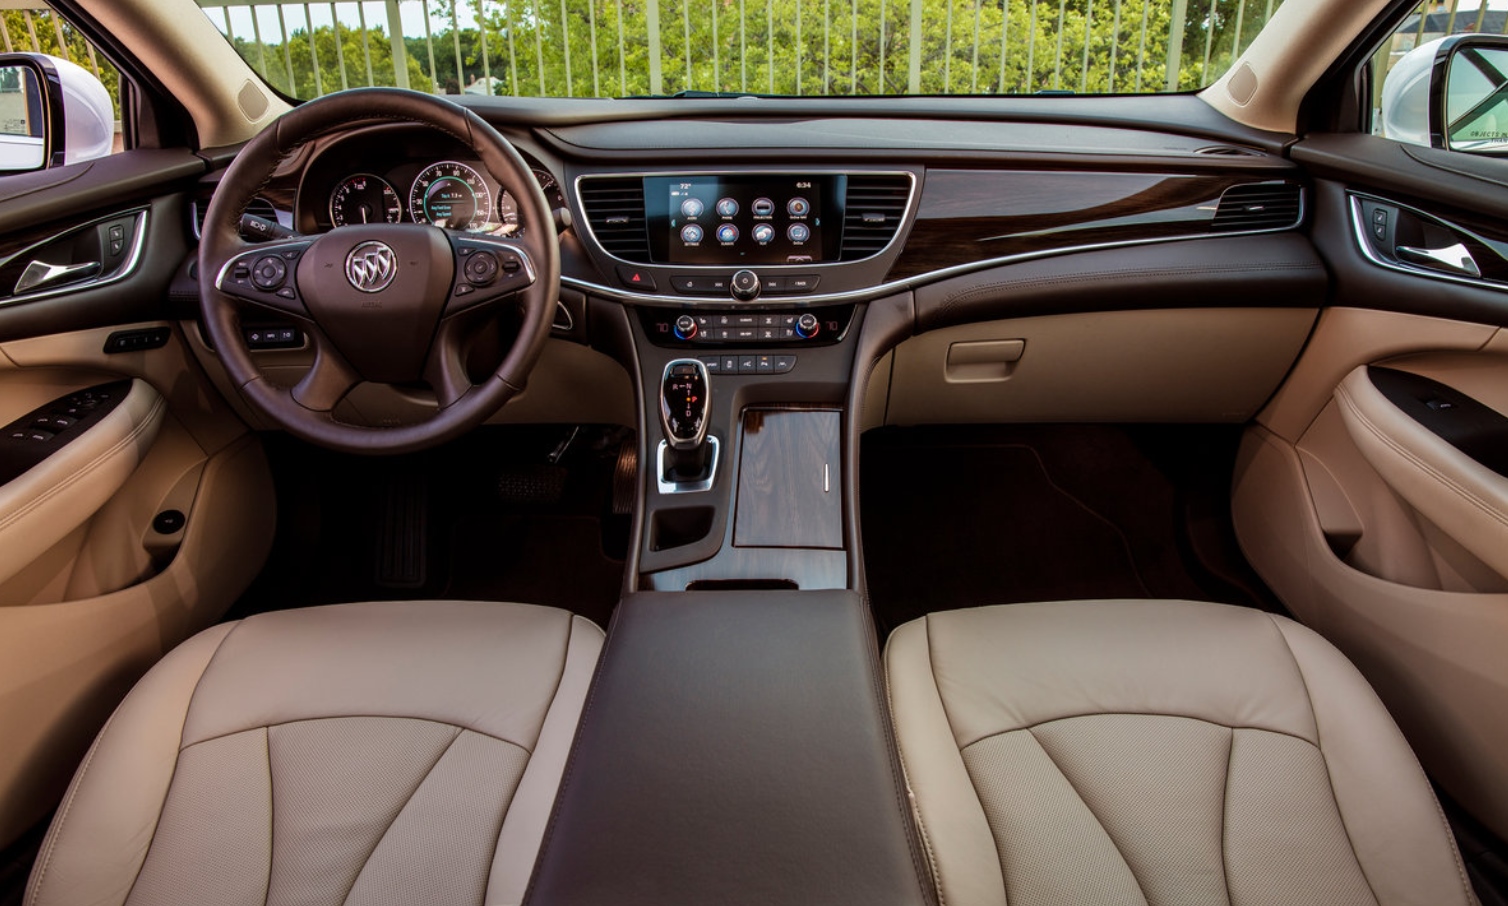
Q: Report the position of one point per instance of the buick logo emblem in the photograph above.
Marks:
(371, 266)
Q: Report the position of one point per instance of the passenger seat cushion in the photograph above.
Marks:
(357, 754)
(1157, 752)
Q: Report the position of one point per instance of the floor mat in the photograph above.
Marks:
(504, 514)
(968, 516)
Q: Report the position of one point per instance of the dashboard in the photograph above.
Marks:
(725, 214)
(769, 232)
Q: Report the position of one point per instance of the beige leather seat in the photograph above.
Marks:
(362, 754)
(1157, 752)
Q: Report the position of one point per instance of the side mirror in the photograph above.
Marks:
(1468, 95)
(52, 112)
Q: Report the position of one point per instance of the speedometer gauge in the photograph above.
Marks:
(364, 198)
(450, 195)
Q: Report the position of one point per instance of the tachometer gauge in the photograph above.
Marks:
(450, 195)
(551, 188)
(364, 198)
(507, 215)
(507, 206)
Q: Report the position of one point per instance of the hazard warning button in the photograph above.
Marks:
(633, 278)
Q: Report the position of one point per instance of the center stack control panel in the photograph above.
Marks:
(745, 264)
(764, 327)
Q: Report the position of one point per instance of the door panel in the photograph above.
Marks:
(1370, 528)
(93, 588)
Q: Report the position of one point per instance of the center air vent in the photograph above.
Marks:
(1258, 206)
(873, 210)
(615, 209)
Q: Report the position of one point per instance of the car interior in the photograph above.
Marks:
(921, 496)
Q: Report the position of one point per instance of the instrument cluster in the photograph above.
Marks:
(412, 181)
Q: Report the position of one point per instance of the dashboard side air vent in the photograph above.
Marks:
(615, 209)
(873, 210)
(1258, 206)
(1228, 151)
(259, 207)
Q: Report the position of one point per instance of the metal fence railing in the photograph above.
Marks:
(796, 47)
(838, 47)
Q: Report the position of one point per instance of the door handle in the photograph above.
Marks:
(1453, 259)
(41, 275)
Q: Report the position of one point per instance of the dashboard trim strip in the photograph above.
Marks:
(897, 286)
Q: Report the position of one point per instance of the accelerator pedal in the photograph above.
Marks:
(403, 536)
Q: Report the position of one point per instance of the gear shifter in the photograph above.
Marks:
(685, 398)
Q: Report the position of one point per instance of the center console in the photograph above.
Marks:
(736, 748)
(744, 288)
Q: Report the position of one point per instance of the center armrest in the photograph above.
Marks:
(734, 750)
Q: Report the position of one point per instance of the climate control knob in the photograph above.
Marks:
(745, 285)
(807, 326)
(685, 327)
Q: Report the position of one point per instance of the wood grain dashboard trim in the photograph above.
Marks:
(968, 216)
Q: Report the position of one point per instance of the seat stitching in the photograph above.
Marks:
(581, 722)
(1230, 754)
(1314, 713)
(497, 839)
(398, 814)
(915, 806)
(50, 846)
(272, 817)
(178, 759)
(903, 802)
(1053, 720)
(305, 720)
(1090, 809)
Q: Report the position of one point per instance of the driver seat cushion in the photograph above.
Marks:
(1157, 752)
(393, 752)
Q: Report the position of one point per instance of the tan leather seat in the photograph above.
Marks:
(1157, 752)
(403, 752)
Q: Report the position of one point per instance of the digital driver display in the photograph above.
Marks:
(741, 220)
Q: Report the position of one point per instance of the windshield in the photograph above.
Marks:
(832, 48)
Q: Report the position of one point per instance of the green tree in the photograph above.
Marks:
(804, 47)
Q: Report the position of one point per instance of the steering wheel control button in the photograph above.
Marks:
(269, 273)
(745, 286)
(371, 266)
(685, 327)
(636, 278)
(273, 337)
(482, 268)
(807, 326)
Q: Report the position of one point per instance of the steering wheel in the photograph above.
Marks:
(381, 302)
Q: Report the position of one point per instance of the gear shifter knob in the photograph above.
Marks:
(685, 395)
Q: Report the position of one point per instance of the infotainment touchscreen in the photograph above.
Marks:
(733, 220)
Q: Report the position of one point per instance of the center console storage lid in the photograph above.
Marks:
(734, 750)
